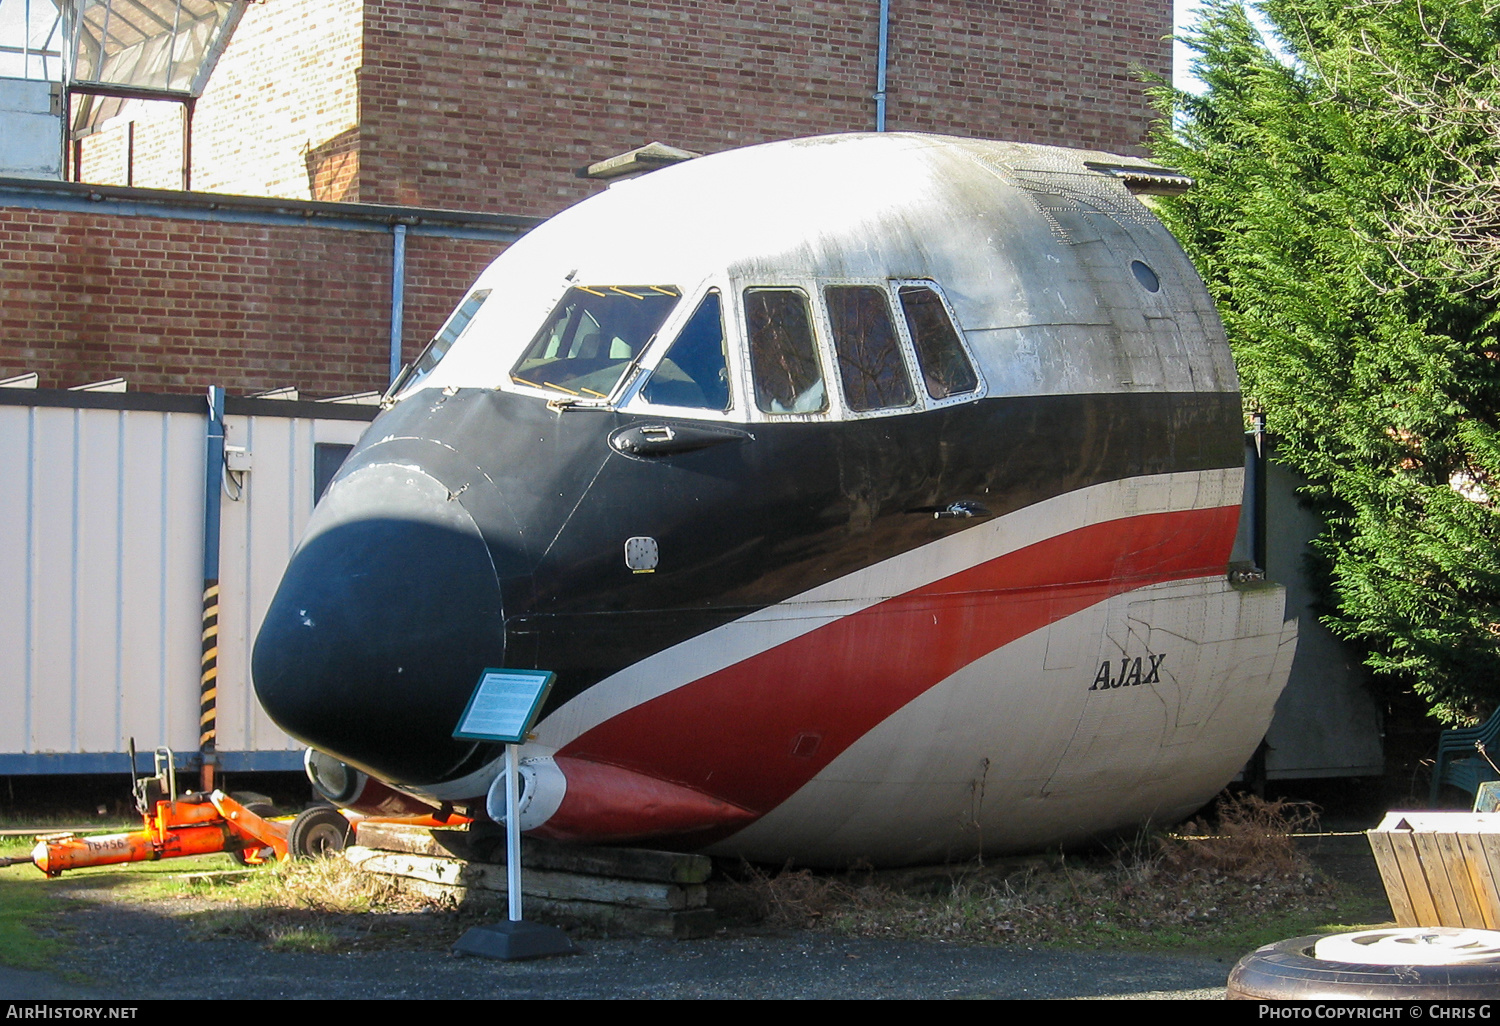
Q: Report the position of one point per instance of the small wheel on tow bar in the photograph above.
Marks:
(320, 830)
(254, 856)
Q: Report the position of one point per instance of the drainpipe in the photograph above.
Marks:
(188, 106)
(208, 685)
(885, 25)
(398, 294)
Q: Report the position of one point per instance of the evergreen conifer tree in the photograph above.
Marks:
(1347, 220)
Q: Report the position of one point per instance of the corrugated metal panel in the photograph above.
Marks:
(101, 577)
(259, 531)
(102, 531)
(15, 576)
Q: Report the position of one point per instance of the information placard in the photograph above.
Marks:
(504, 705)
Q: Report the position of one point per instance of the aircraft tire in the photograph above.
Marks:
(265, 810)
(320, 830)
(1289, 971)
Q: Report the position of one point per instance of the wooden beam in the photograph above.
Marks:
(536, 883)
(489, 847)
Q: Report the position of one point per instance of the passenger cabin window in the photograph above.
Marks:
(870, 365)
(783, 355)
(695, 370)
(945, 366)
(593, 336)
(435, 350)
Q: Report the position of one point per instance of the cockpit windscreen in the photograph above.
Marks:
(457, 322)
(593, 336)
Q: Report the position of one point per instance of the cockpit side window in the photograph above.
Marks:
(593, 336)
(694, 372)
(946, 369)
(871, 368)
(442, 341)
(783, 354)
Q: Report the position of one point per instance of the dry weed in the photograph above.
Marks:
(333, 885)
(1254, 839)
(326, 886)
(798, 898)
(1158, 890)
(323, 904)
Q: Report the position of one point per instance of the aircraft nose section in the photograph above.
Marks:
(385, 617)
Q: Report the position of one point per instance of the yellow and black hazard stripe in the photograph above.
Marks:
(208, 685)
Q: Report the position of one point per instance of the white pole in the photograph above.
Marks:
(513, 831)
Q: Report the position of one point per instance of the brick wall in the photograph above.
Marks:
(1029, 70)
(285, 89)
(142, 146)
(480, 105)
(174, 305)
(279, 118)
(490, 107)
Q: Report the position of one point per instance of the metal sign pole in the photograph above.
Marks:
(503, 707)
(513, 830)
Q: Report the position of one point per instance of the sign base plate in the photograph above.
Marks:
(513, 940)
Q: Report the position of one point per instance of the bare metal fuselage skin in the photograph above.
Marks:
(992, 613)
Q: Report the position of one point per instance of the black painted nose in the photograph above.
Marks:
(385, 618)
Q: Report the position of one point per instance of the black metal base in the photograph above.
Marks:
(513, 941)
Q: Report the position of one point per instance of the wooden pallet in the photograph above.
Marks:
(1440, 868)
(621, 890)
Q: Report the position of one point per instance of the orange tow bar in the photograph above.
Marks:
(200, 823)
(172, 826)
(195, 824)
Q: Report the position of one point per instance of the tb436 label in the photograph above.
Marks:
(1129, 673)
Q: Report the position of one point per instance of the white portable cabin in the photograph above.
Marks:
(102, 500)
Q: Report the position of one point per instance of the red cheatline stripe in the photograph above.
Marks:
(755, 732)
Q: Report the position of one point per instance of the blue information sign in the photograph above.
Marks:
(504, 705)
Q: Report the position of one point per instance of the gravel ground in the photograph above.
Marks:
(129, 960)
(126, 952)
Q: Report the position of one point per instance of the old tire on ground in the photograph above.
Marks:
(320, 830)
(1289, 971)
(254, 856)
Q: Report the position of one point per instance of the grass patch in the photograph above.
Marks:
(310, 905)
(13, 847)
(319, 905)
(27, 939)
(41, 823)
(303, 939)
(29, 935)
(1227, 889)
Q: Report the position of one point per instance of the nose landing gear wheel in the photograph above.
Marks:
(320, 830)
